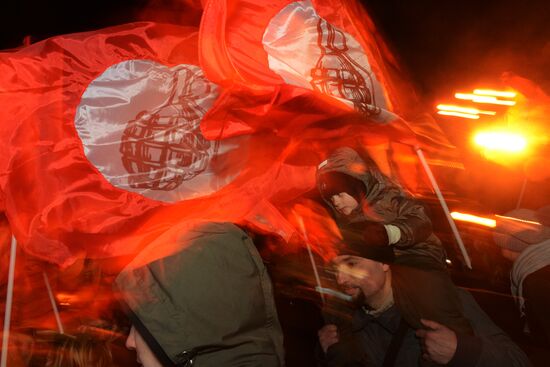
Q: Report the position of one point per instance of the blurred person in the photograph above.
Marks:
(524, 238)
(207, 302)
(381, 213)
(385, 329)
(80, 350)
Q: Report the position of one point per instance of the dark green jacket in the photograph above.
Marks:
(385, 202)
(211, 300)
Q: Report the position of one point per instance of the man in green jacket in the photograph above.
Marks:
(207, 302)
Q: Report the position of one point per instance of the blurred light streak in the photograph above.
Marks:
(483, 99)
(467, 110)
(459, 114)
(502, 141)
(495, 93)
(470, 218)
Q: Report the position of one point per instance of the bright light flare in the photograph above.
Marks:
(460, 111)
(495, 93)
(459, 114)
(484, 99)
(501, 141)
(470, 218)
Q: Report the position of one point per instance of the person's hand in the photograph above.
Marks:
(438, 342)
(328, 335)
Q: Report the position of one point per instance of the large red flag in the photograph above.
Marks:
(102, 127)
(102, 147)
(326, 46)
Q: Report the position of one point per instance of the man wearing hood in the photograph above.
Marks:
(201, 297)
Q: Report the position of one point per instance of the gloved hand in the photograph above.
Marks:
(373, 233)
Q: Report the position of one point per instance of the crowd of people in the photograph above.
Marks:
(221, 296)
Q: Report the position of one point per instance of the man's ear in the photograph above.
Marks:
(385, 267)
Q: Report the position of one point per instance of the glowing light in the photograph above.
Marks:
(495, 93)
(470, 218)
(459, 114)
(502, 141)
(468, 110)
(483, 99)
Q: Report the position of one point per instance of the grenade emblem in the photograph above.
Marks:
(339, 75)
(164, 147)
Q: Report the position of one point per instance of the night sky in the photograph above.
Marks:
(442, 44)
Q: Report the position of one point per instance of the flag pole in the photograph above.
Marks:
(9, 302)
(444, 206)
(522, 192)
(311, 258)
(54, 304)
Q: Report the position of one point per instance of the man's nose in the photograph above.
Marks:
(131, 340)
(340, 278)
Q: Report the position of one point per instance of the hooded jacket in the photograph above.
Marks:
(209, 302)
(386, 203)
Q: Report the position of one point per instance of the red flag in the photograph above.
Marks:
(327, 46)
(99, 128)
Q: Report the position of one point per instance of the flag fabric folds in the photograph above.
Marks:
(68, 134)
(112, 137)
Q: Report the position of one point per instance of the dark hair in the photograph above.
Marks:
(334, 183)
(353, 243)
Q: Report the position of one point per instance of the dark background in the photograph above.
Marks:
(441, 43)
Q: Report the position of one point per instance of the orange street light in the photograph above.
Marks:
(501, 141)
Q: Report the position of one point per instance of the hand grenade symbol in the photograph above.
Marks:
(164, 147)
(339, 75)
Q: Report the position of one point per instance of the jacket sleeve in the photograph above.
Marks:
(407, 214)
(490, 346)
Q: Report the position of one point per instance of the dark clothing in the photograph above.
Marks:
(431, 295)
(210, 298)
(384, 202)
(371, 337)
(536, 290)
(426, 290)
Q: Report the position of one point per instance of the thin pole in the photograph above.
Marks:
(313, 264)
(54, 304)
(444, 206)
(522, 192)
(9, 302)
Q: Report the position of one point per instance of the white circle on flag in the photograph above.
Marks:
(139, 125)
(330, 61)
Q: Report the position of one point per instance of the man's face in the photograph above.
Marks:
(360, 278)
(344, 203)
(144, 354)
